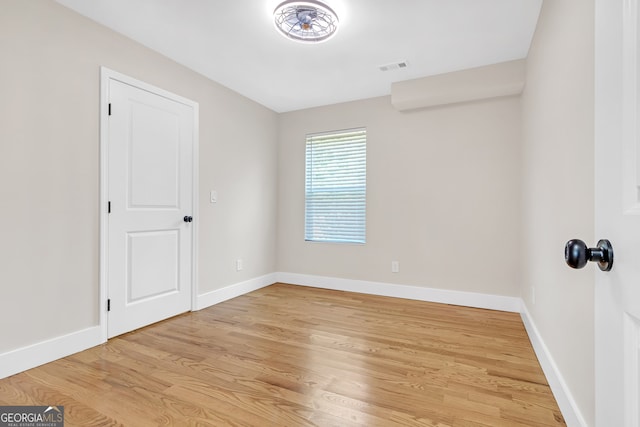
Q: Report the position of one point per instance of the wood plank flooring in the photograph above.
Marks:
(293, 356)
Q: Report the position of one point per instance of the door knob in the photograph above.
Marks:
(188, 218)
(577, 254)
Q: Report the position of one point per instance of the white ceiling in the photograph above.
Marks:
(234, 42)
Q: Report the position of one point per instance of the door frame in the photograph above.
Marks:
(106, 75)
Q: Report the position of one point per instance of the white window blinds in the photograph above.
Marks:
(335, 188)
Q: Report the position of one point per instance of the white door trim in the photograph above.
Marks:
(106, 75)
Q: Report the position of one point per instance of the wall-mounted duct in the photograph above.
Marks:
(491, 81)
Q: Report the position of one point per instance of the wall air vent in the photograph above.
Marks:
(394, 66)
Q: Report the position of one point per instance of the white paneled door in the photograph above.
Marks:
(617, 298)
(150, 162)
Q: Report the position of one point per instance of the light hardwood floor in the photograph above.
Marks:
(293, 356)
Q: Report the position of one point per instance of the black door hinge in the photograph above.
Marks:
(109, 108)
(109, 207)
(109, 305)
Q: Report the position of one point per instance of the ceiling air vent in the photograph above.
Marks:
(394, 66)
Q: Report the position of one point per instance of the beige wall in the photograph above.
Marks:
(558, 189)
(442, 195)
(49, 169)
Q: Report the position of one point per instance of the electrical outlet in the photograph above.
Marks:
(395, 267)
(238, 265)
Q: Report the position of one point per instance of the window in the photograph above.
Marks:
(336, 187)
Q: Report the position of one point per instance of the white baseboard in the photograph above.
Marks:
(468, 299)
(21, 359)
(31, 356)
(561, 392)
(219, 295)
(28, 357)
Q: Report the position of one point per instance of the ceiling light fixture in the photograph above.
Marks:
(308, 21)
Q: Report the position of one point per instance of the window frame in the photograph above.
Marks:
(336, 187)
